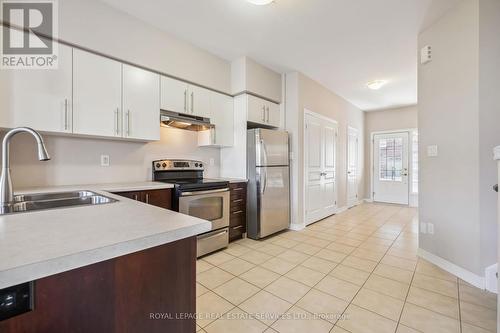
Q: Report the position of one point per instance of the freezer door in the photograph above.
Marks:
(273, 199)
(271, 148)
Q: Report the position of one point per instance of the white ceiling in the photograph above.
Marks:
(340, 43)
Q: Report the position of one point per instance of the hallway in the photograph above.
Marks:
(353, 272)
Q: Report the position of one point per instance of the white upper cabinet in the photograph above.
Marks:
(181, 97)
(263, 112)
(222, 116)
(97, 95)
(40, 99)
(141, 104)
(199, 101)
(273, 114)
(174, 95)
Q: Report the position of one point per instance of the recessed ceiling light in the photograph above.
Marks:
(260, 2)
(376, 84)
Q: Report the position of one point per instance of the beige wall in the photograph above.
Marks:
(94, 25)
(385, 120)
(304, 93)
(459, 112)
(97, 26)
(77, 160)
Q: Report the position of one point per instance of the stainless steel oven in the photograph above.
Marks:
(211, 205)
(207, 199)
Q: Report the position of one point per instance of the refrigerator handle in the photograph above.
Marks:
(264, 183)
(264, 149)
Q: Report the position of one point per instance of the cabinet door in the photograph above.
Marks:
(97, 96)
(174, 95)
(141, 104)
(273, 114)
(256, 110)
(223, 118)
(159, 198)
(40, 99)
(199, 101)
(134, 195)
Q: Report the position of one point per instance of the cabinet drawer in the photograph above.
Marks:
(236, 232)
(134, 195)
(238, 218)
(236, 204)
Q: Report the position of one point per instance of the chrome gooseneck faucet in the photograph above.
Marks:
(6, 193)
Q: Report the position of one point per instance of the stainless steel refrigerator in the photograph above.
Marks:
(268, 193)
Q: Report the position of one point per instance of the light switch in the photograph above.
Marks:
(432, 151)
(105, 160)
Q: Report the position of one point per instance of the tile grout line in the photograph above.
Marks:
(309, 256)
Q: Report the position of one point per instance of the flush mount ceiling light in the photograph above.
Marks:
(376, 84)
(261, 2)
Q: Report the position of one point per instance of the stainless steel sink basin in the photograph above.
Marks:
(43, 201)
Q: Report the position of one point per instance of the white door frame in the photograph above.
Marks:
(357, 202)
(304, 155)
(410, 157)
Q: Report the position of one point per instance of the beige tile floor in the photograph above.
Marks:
(354, 272)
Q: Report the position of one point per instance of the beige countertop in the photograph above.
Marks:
(42, 243)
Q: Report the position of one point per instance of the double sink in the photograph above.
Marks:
(43, 201)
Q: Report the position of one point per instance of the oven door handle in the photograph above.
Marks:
(187, 194)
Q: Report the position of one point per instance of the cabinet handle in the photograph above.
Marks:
(128, 122)
(238, 227)
(238, 212)
(239, 200)
(136, 197)
(267, 109)
(185, 100)
(238, 189)
(65, 114)
(264, 113)
(117, 121)
(192, 102)
(147, 198)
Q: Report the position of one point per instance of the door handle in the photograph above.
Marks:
(117, 121)
(128, 122)
(192, 102)
(65, 114)
(185, 100)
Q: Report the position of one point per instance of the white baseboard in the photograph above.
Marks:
(341, 209)
(368, 200)
(467, 276)
(490, 277)
(296, 227)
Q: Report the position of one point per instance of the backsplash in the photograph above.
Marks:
(78, 160)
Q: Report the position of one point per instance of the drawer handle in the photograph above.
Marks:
(238, 212)
(238, 189)
(238, 227)
(239, 200)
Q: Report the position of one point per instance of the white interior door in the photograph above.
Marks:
(352, 166)
(390, 168)
(320, 172)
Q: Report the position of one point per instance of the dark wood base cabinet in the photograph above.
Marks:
(147, 291)
(238, 218)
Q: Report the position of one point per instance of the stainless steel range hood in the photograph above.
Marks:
(184, 121)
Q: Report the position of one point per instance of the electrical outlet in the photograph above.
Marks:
(105, 160)
(432, 151)
(430, 228)
(423, 228)
(212, 162)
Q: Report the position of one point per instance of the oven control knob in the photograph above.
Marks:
(158, 165)
(196, 164)
(201, 165)
(164, 165)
